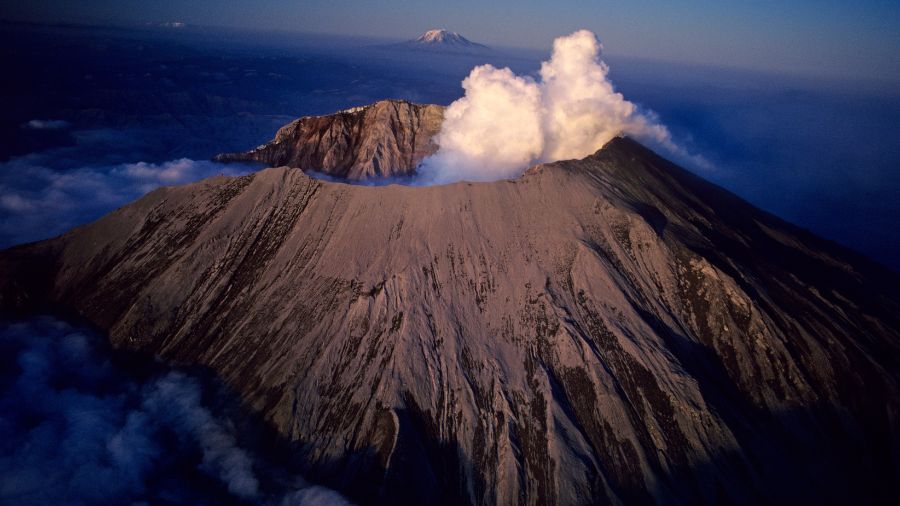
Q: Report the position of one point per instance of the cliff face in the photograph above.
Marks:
(385, 139)
(610, 330)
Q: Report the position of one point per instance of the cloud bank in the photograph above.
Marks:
(80, 427)
(506, 123)
(46, 124)
(40, 199)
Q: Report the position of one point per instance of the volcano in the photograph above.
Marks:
(610, 330)
(442, 41)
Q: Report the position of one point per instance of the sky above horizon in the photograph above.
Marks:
(835, 39)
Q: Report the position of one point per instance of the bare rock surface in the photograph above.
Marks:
(611, 330)
(385, 139)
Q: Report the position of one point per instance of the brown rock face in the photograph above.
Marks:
(385, 139)
(612, 330)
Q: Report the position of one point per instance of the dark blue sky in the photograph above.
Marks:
(834, 38)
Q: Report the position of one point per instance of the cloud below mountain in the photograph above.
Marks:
(78, 426)
(46, 124)
(39, 199)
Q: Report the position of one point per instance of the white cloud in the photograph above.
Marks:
(46, 124)
(37, 202)
(582, 111)
(506, 123)
(78, 428)
(490, 133)
(15, 203)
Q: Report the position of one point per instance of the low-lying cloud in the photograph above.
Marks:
(40, 199)
(46, 124)
(78, 427)
(506, 123)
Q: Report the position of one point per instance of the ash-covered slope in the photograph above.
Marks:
(604, 331)
(385, 139)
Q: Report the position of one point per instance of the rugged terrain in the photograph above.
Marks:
(385, 139)
(608, 330)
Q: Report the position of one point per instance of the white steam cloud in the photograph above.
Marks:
(505, 123)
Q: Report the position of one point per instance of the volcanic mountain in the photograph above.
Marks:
(385, 139)
(442, 41)
(445, 38)
(611, 330)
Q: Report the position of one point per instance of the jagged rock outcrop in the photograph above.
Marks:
(612, 330)
(385, 139)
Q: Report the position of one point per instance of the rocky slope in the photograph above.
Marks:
(611, 330)
(385, 139)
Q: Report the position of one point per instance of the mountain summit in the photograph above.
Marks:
(440, 40)
(446, 38)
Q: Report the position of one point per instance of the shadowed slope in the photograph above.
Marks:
(601, 330)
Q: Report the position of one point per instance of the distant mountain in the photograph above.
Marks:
(442, 37)
(385, 139)
(440, 40)
(610, 330)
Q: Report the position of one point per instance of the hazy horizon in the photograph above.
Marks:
(855, 40)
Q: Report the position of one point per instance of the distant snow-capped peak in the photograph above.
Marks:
(444, 37)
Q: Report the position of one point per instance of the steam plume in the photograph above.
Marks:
(505, 122)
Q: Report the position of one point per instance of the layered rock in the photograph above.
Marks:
(385, 139)
(602, 331)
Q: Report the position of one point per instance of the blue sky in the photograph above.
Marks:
(843, 39)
